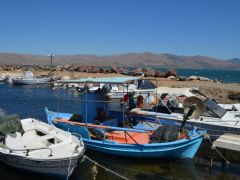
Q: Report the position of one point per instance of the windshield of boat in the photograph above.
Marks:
(145, 84)
(213, 109)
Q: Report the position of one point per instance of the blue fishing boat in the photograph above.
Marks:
(130, 142)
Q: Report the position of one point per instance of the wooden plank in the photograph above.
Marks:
(228, 141)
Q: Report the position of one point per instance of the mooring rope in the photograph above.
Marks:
(69, 166)
(94, 170)
(215, 148)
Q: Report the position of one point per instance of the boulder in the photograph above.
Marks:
(149, 72)
(234, 95)
(136, 72)
(73, 68)
(171, 72)
(192, 78)
(66, 67)
(182, 78)
(160, 74)
(171, 77)
(102, 70)
(82, 68)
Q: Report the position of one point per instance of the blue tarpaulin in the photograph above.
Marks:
(112, 80)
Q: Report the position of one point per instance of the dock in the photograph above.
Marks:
(228, 141)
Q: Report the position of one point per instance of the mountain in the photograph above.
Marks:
(234, 60)
(128, 59)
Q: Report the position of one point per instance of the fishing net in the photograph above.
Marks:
(165, 134)
(10, 124)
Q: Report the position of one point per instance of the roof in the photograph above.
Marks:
(111, 80)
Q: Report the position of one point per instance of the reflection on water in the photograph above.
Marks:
(30, 101)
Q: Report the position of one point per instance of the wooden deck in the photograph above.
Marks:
(228, 141)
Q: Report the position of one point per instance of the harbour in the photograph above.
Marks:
(29, 101)
(130, 90)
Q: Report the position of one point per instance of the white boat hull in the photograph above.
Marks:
(42, 148)
(54, 167)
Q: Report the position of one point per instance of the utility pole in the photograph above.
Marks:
(51, 58)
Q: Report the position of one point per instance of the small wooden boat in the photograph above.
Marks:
(39, 147)
(128, 142)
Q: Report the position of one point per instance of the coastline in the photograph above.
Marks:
(217, 91)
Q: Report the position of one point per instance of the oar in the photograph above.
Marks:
(98, 126)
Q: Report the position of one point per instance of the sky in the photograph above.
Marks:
(107, 27)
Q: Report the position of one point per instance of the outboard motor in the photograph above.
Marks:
(107, 88)
(172, 102)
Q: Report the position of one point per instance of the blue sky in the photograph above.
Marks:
(105, 27)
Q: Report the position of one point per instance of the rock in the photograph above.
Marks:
(65, 78)
(67, 66)
(160, 74)
(114, 70)
(149, 72)
(171, 77)
(192, 78)
(199, 78)
(203, 78)
(234, 96)
(182, 78)
(136, 72)
(82, 68)
(73, 68)
(92, 69)
(59, 68)
(171, 72)
(102, 70)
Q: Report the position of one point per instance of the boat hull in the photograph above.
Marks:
(214, 130)
(31, 81)
(184, 148)
(180, 150)
(50, 167)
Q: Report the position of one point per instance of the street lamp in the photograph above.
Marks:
(51, 57)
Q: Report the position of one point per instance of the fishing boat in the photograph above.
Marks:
(130, 142)
(31, 145)
(2, 78)
(117, 86)
(29, 79)
(214, 118)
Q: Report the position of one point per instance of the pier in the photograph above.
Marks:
(228, 141)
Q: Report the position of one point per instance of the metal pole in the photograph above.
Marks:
(51, 56)
(123, 108)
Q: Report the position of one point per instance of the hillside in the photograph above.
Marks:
(129, 59)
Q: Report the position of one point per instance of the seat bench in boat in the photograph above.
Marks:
(32, 141)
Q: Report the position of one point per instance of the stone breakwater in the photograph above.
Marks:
(146, 72)
(222, 92)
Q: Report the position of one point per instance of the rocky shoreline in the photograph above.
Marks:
(222, 92)
(145, 72)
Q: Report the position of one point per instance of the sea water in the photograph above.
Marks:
(224, 75)
(29, 101)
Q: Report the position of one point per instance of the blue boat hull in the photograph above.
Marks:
(183, 148)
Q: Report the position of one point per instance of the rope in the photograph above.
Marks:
(69, 166)
(215, 148)
(94, 170)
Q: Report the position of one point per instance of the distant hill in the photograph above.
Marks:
(128, 59)
(234, 60)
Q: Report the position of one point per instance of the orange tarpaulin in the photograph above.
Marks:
(128, 137)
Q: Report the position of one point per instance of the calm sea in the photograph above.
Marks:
(30, 101)
(227, 76)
